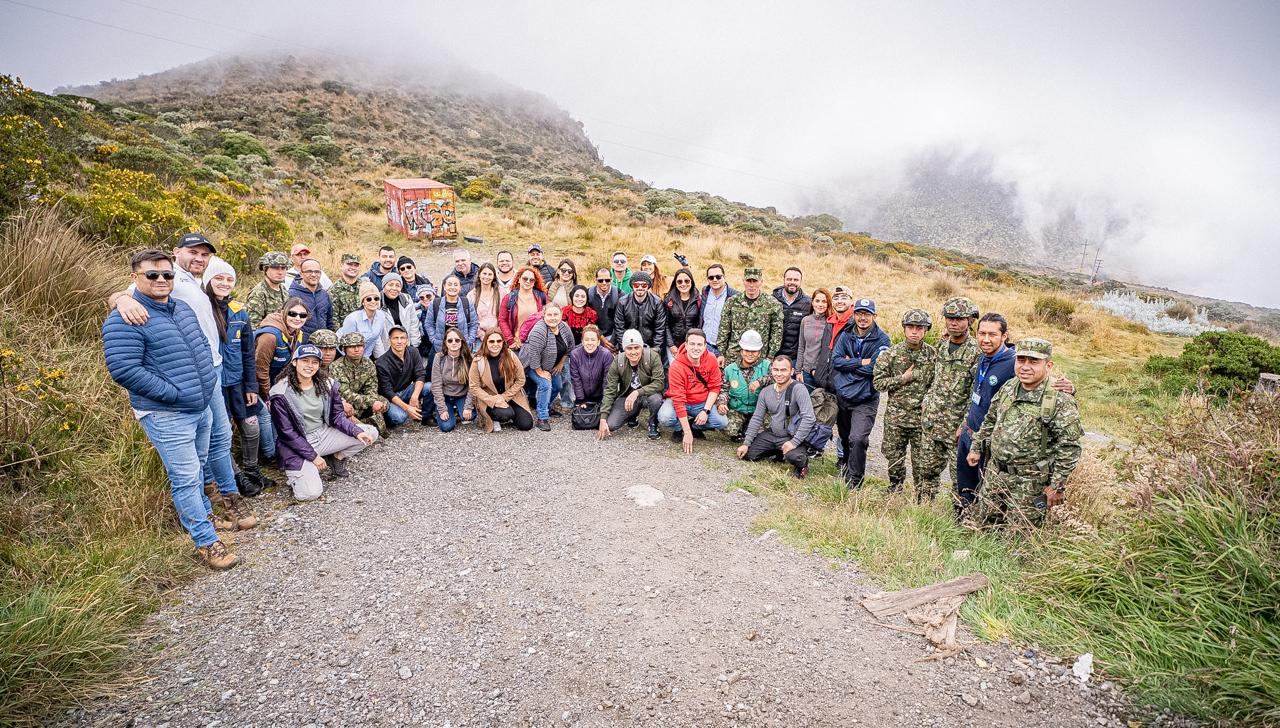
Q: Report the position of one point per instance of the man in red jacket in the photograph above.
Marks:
(692, 388)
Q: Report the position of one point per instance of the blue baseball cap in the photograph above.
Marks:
(864, 304)
(307, 350)
(193, 240)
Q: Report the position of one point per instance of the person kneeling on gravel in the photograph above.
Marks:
(313, 432)
(790, 412)
(634, 382)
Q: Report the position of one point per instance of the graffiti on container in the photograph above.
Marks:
(430, 218)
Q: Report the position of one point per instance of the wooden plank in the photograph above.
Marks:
(889, 603)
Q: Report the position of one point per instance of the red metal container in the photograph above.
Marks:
(421, 208)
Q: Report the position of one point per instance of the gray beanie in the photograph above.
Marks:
(641, 277)
(392, 277)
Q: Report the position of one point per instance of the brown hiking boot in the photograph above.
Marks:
(211, 492)
(239, 511)
(216, 556)
(221, 524)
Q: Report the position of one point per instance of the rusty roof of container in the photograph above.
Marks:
(417, 183)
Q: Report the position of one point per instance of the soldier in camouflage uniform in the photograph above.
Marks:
(947, 402)
(750, 309)
(358, 383)
(269, 295)
(1031, 435)
(344, 294)
(905, 372)
(327, 342)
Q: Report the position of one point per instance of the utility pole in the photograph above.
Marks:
(1097, 265)
(1083, 253)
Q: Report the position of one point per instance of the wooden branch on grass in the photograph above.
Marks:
(889, 603)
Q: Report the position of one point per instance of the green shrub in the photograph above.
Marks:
(316, 130)
(568, 184)
(223, 164)
(1051, 309)
(235, 143)
(334, 87)
(1228, 361)
(150, 160)
(455, 173)
(710, 216)
(128, 208)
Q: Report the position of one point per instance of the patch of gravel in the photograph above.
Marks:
(513, 579)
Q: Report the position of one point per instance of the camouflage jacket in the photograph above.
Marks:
(357, 381)
(740, 314)
(947, 401)
(903, 407)
(262, 301)
(1037, 435)
(345, 298)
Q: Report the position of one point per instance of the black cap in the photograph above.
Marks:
(193, 240)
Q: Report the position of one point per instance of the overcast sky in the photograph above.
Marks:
(1164, 112)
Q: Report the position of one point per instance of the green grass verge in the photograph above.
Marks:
(1179, 605)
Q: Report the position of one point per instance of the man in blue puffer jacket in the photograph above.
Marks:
(167, 368)
(853, 359)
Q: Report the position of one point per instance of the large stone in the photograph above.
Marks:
(645, 495)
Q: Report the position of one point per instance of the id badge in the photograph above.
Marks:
(976, 398)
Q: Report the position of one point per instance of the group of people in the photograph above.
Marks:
(310, 371)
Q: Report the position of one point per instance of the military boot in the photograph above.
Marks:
(216, 556)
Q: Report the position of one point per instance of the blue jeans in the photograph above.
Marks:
(453, 407)
(667, 416)
(266, 432)
(181, 440)
(809, 381)
(217, 463)
(566, 385)
(398, 416)
(547, 390)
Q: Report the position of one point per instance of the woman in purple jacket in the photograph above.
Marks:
(312, 431)
(588, 363)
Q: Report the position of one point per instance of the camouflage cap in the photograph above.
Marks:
(273, 259)
(324, 338)
(917, 317)
(350, 339)
(1035, 348)
(752, 274)
(350, 258)
(959, 307)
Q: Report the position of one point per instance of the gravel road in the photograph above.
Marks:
(511, 579)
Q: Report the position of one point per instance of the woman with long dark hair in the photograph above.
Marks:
(314, 432)
(275, 341)
(450, 381)
(497, 385)
(566, 278)
(486, 297)
(684, 309)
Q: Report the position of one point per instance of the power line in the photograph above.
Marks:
(120, 28)
(709, 164)
(224, 26)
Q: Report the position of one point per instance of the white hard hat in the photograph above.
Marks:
(751, 340)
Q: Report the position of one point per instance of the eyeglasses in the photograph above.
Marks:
(405, 267)
(566, 270)
(297, 315)
(715, 278)
(311, 271)
(367, 299)
(151, 275)
(619, 261)
(526, 279)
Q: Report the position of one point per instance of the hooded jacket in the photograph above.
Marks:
(272, 350)
(539, 351)
(852, 380)
(690, 383)
(792, 313)
(649, 318)
(587, 372)
(618, 381)
(318, 305)
(375, 275)
(292, 446)
(165, 364)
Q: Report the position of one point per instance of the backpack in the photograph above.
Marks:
(819, 435)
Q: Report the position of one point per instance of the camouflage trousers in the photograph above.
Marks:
(935, 456)
(1013, 500)
(738, 422)
(368, 416)
(894, 447)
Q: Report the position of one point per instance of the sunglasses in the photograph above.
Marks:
(641, 286)
(405, 267)
(370, 298)
(619, 261)
(453, 341)
(566, 270)
(527, 279)
(715, 278)
(151, 275)
(603, 280)
(295, 314)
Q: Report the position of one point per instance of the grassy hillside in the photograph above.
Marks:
(260, 154)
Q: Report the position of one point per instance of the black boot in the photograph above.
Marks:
(247, 486)
(653, 428)
(340, 468)
(254, 473)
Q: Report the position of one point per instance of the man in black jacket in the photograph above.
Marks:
(795, 306)
(603, 299)
(402, 379)
(643, 312)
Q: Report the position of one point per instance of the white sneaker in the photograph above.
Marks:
(497, 427)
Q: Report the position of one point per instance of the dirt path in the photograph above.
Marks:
(510, 580)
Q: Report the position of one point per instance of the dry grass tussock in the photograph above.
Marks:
(88, 540)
